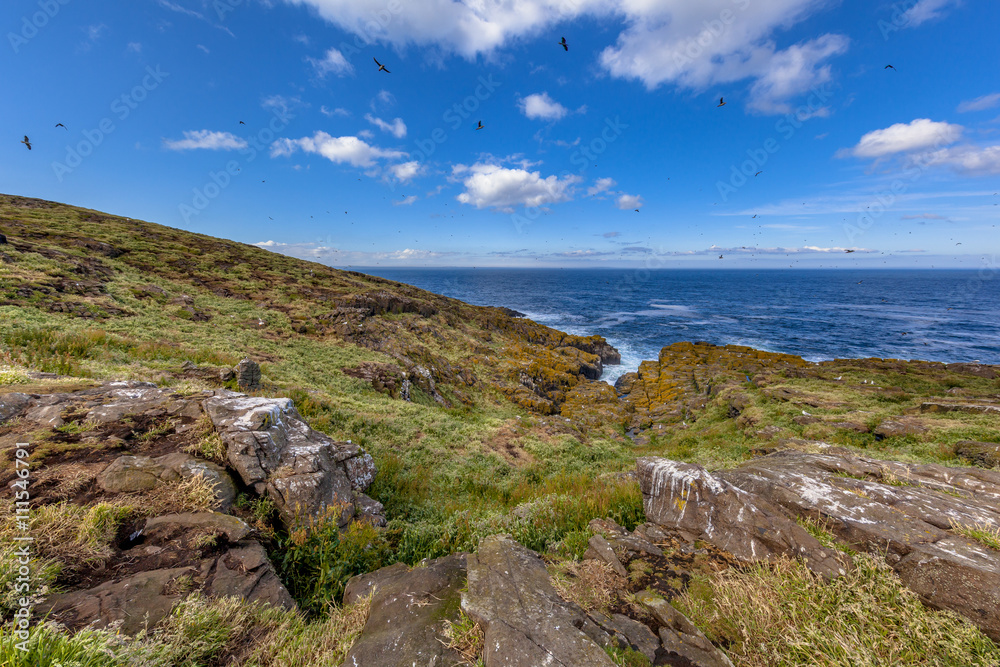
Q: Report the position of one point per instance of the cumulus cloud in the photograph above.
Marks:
(689, 44)
(926, 10)
(405, 201)
(540, 105)
(341, 150)
(206, 139)
(919, 134)
(601, 185)
(405, 171)
(333, 62)
(396, 128)
(318, 252)
(795, 71)
(492, 186)
(971, 160)
(626, 202)
(980, 103)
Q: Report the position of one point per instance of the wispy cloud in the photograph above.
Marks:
(333, 62)
(980, 103)
(206, 140)
(396, 128)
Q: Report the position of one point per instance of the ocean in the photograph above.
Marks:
(936, 315)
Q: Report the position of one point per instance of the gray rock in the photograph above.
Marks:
(899, 427)
(526, 622)
(899, 511)
(129, 474)
(960, 407)
(248, 374)
(686, 497)
(180, 466)
(601, 550)
(629, 633)
(985, 454)
(406, 621)
(680, 636)
(46, 415)
(12, 405)
(362, 585)
(273, 450)
(234, 528)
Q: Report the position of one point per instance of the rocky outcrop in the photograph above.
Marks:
(525, 621)
(985, 454)
(680, 638)
(686, 497)
(974, 408)
(12, 405)
(904, 512)
(274, 451)
(409, 606)
(168, 559)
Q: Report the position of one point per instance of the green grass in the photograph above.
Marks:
(783, 615)
(984, 533)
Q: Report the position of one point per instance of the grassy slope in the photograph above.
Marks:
(74, 299)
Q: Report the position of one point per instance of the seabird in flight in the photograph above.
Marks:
(381, 67)
(722, 102)
(563, 44)
(26, 142)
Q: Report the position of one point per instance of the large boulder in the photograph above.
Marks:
(526, 622)
(12, 405)
(305, 472)
(685, 497)
(409, 606)
(905, 512)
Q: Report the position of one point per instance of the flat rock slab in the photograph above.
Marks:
(686, 497)
(12, 405)
(974, 408)
(526, 623)
(902, 511)
(409, 606)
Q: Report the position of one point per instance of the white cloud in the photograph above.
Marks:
(973, 160)
(333, 62)
(318, 252)
(628, 202)
(405, 201)
(601, 185)
(493, 186)
(689, 44)
(134, 47)
(203, 48)
(795, 71)
(349, 150)
(206, 139)
(980, 103)
(334, 112)
(925, 10)
(281, 103)
(396, 128)
(917, 135)
(406, 170)
(540, 105)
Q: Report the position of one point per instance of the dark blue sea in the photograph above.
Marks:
(937, 315)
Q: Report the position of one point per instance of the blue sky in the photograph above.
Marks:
(341, 163)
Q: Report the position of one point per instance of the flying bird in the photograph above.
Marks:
(26, 142)
(848, 251)
(722, 102)
(636, 210)
(758, 173)
(242, 123)
(381, 67)
(890, 67)
(481, 126)
(563, 44)
(720, 256)
(61, 125)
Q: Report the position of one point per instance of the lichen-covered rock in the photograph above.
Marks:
(904, 512)
(686, 497)
(248, 374)
(526, 623)
(273, 450)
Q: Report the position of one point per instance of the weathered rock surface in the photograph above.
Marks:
(130, 474)
(685, 496)
(526, 622)
(933, 406)
(168, 559)
(408, 610)
(903, 511)
(899, 427)
(12, 405)
(272, 449)
(680, 637)
(248, 374)
(985, 454)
